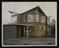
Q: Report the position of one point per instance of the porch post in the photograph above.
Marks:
(27, 31)
(24, 31)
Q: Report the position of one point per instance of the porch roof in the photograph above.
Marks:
(20, 24)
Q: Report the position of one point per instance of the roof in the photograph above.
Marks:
(14, 24)
(33, 9)
(41, 11)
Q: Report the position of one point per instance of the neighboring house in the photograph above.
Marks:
(32, 23)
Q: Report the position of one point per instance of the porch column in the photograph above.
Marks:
(24, 31)
(27, 31)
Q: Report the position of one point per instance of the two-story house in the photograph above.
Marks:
(32, 23)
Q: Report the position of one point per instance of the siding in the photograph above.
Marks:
(9, 31)
(38, 31)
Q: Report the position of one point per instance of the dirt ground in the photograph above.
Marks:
(30, 41)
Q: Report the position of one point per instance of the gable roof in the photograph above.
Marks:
(35, 8)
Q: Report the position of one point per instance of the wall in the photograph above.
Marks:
(24, 17)
(38, 31)
(9, 31)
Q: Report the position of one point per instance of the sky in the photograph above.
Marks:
(49, 8)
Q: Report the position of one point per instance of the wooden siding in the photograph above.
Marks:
(23, 19)
(39, 30)
(9, 32)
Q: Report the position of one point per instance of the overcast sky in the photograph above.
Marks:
(49, 8)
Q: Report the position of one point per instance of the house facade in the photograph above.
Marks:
(32, 23)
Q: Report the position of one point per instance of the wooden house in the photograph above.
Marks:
(32, 23)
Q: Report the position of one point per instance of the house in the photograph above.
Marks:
(32, 23)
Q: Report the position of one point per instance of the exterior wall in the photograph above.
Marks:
(24, 17)
(49, 30)
(9, 32)
(18, 32)
(40, 19)
(38, 31)
(20, 19)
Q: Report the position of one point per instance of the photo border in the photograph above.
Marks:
(32, 45)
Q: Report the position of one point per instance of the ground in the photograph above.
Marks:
(30, 41)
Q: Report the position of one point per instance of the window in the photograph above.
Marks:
(25, 18)
(43, 19)
(37, 17)
(31, 18)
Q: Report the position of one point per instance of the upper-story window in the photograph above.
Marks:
(32, 17)
(43, 19)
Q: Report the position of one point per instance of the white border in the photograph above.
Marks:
(32, 45)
